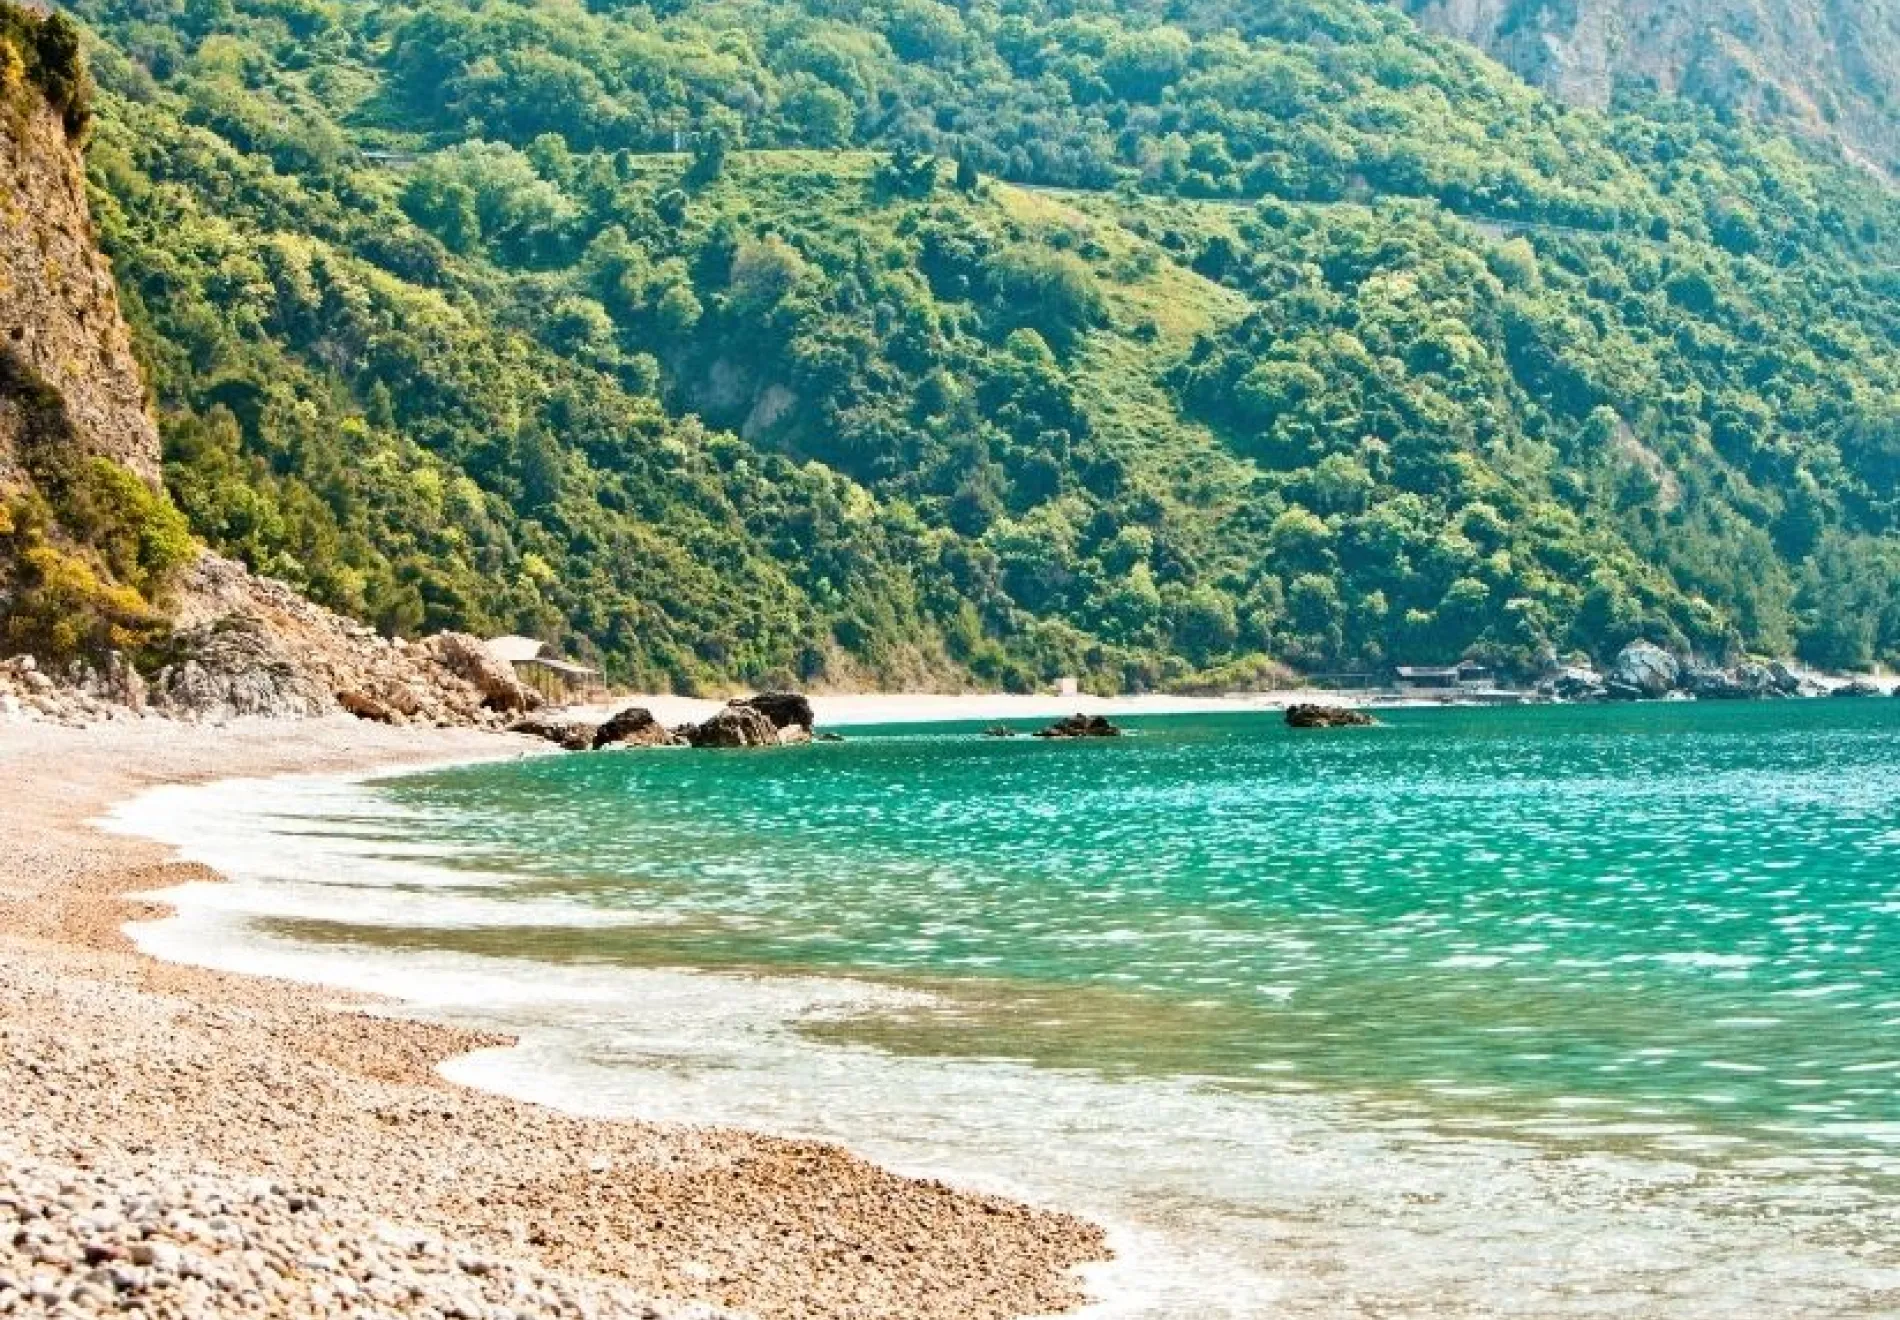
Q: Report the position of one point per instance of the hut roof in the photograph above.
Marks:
(515, 650)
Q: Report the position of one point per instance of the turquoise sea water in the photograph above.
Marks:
(1548, 1011)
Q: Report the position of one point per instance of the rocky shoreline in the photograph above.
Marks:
(1644, 671)
(184, 1142)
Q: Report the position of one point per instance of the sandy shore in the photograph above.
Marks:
(184, 1142)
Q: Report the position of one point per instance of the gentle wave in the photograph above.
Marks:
(1258, 1181)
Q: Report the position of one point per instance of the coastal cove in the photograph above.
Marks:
(1426, 1016)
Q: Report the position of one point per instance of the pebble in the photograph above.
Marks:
(228, 1146)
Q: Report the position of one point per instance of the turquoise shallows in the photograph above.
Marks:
(1672, 926)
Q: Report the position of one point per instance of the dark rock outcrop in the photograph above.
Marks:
(1081, 726)
(634, 727)
(1858, 687)
(1327, 717)
(735, 726)
(572, 735)
(786, 710)
(1785, 680)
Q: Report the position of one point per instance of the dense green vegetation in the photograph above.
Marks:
(41, 52)
(86, 547)
(1332, 345)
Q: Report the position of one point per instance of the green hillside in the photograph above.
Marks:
(995, 341)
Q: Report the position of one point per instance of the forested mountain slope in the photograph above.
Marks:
(1829, 69)
(1172, 339)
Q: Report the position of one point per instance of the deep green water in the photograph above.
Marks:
(1676, 921)
(1541, 1012)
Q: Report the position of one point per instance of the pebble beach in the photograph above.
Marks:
(176, 1142)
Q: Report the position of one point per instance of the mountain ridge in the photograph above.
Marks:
(1347, 349)
(1829, 69)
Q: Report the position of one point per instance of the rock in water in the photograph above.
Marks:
(471, 661)
(1859, 687)
(786, 710)
(634, 727)
(735, 726)
(574, 735)
(999, 731)
(1327, 717)
(1644, 670)
(1081, 726)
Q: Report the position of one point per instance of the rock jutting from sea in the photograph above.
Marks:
(1327, 717)
(770, 719)
(1080, 726)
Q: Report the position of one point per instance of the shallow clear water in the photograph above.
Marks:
(1533, 1012)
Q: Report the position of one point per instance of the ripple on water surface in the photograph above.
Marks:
(1539, 1012)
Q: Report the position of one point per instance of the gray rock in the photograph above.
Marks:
(1644, 669)
(233, 667)
(1711, 684)
(1858, 687)
(1574, 683)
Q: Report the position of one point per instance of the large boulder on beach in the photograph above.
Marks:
(634, 727)
(786, 710)
(234, 667)
(1644, 670)
(1081, 726)
(1327, 717)
(735, 726)
(469, 659)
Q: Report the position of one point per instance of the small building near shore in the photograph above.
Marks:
(1448, 678)
(536, 665)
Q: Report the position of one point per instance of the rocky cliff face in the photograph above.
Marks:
(108, 602)
(1826, 68)
(59, 309)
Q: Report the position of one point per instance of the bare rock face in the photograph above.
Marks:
(59, 309)
(448, 680)
(1327, 717)
(735, 726)
(1824, 68)
(1644, 670)
(634, 727)
(235, 668)
(471, 661)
